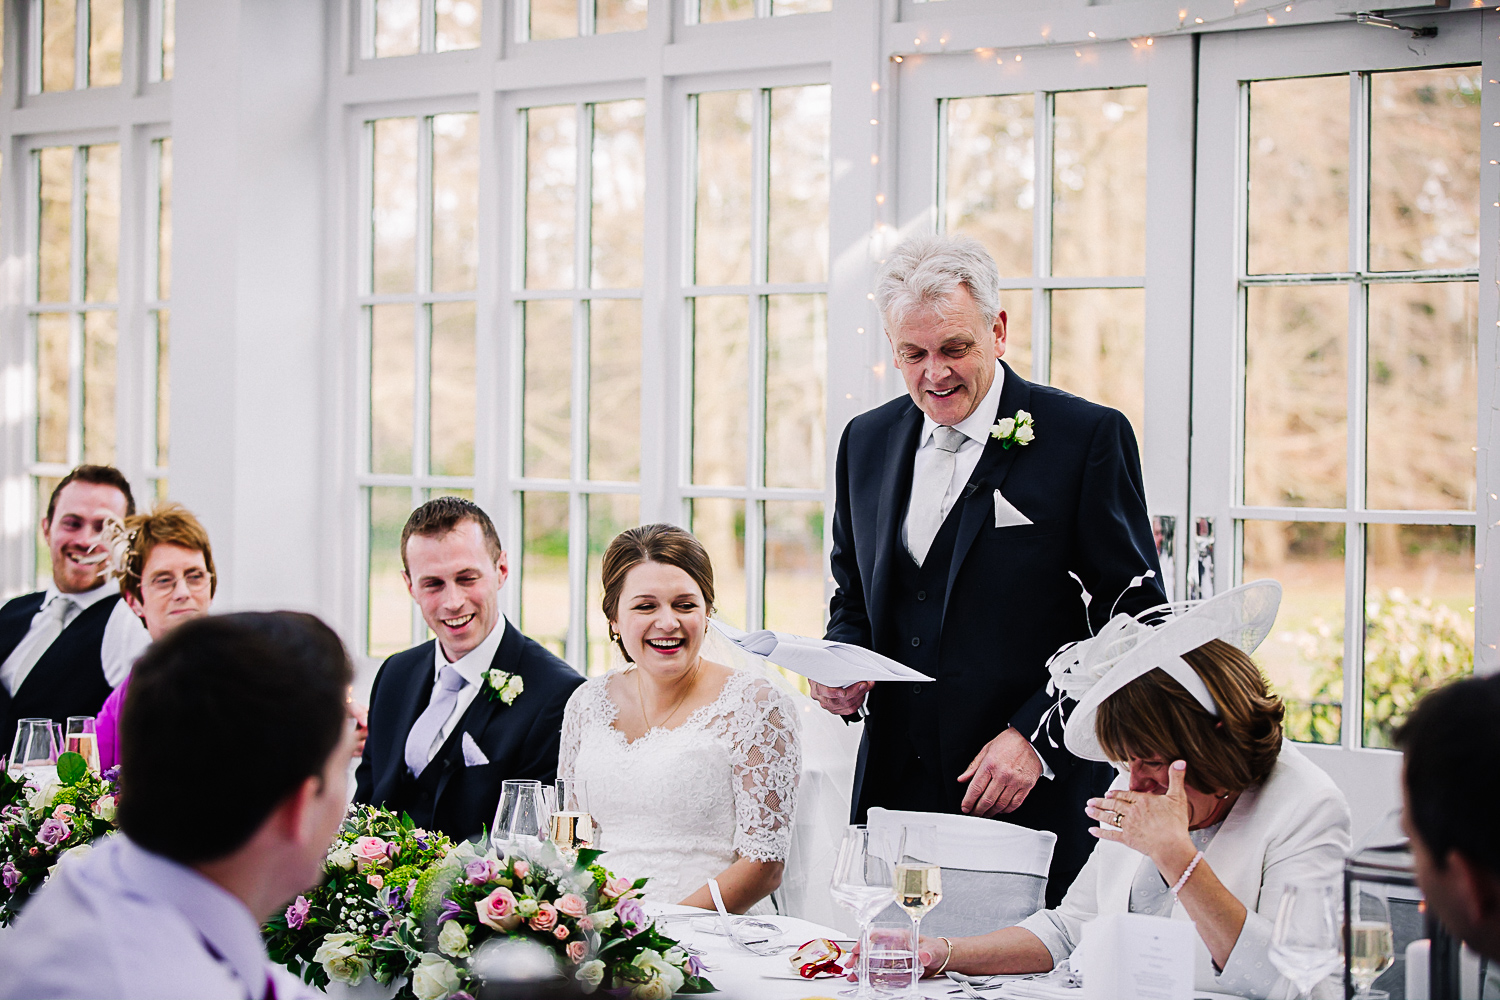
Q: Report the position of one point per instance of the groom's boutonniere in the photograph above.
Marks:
(1016, 430)
(502, 686)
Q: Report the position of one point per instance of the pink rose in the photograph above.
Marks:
(545, 919)
(617, 888)
(572, 905)
(521, 868)
(376, 881)
(577, 951)
(369, 851)
(561, 932)
(498, 910)
(585, 924)
(65, 810)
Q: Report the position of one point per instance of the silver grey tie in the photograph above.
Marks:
(928, 494)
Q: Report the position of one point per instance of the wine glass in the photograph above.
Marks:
(521, 819)
(80, 738)
(33, 755)
(1305, 941)
(1371, 947)
(918, 885)
(572, 827)
(862, 885)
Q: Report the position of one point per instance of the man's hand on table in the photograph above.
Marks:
(844, 700)
(1001, 776)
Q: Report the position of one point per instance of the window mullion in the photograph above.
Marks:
(427, 27)
(81, 46)
(1041, 238)
(422, 320)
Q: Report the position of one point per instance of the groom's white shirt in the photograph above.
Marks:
(976, 431)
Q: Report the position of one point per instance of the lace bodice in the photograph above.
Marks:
(679, 805)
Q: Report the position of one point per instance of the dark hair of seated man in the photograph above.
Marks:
(225, 717)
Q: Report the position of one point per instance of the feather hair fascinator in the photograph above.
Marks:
(1127, 647)
(117, 541)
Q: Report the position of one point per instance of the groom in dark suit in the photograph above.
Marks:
(453, 718)
(964, 513)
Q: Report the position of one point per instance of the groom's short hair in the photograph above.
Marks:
(440, 515)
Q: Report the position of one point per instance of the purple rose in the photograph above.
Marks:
(632, 917)
(392, 849)
(53, 832)
(296, 914)
(10, 875)
(450, 910)
(481, 870)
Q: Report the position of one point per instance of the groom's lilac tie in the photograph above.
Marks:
(430, 722)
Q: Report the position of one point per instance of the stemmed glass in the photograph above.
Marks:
(862, 885)
(1305, 940)
(1371, 948)
(572, 827)
(522, 818)
(33, 755)
(918, 885)
(81, 738)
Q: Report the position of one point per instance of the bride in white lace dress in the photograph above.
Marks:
(691, 765)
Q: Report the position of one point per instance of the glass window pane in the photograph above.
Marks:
(783, 7)
(55, 225)
(1099, 348)
(161, 490)
(1296, 390)
(721, 373)
(457, 24)
(1423, 396)
(58, 49)
(455, 201)
(719, 524)
(453, 401)
(615, 389)
(547, 397)
(44, 487)
(99, 375)
(794, 567)
(609, 514)
(553, 19)
(393, 214)
(710, 11)
(164, 220)
(53, 333)
(398, 29)
(796, 380)
(102, 223)
(619, 15)
(1419, 618)
(619, 193)
(551, 176)
(544, 569)
(390, 606)
(393, 376)
(799, 184)
(168, 38)
(1299, 175)
(1303, 657)
(106, 33)
(722, 220)
(1016, 304)
(990, 170)
(163, 386)
(1099, 182)
(1424, 169)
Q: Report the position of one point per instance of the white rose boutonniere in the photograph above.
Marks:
(1016, 430)
(505, 687)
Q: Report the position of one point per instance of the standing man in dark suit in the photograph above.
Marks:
(65, 648)
(452, 719)
(964, 514)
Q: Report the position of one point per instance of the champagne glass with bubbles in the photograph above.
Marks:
(918, 885)
(80, 738)
(1371, 947)
(571, 825)
(1307, 936)
(862, 885)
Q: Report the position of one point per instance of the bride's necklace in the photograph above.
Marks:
(687, 690)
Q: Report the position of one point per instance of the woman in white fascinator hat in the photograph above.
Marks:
(1213, 813)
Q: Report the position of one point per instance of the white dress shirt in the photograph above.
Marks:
(472, 666)
(125, 638)
(976, 431)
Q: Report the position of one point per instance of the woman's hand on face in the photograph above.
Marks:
(1154, 825)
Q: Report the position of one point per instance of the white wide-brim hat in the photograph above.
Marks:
(1129, 647)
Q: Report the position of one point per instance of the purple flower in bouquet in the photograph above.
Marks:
(420, 836)
(391, 899)
(695, 965)
(10, 875)
(392, 849)
(12, 814)
(630, 912)
(481, 870)
(460, 995)
(111, 775)
(450, 910)
(411, 890)
(53, 832)
(296, 914)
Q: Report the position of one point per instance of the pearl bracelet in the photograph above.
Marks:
(1186, 872)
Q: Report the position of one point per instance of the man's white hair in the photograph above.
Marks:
(923, 271)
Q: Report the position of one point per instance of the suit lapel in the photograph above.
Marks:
(895, 487)
(994, 465)
(415, 690)
(477, 716)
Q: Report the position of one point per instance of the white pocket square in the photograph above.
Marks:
(1006, 514)
(473, 756)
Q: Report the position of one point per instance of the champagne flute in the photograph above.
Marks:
(1306, 938)
(33, 754)
(80, 737)
(521, 822)
(1371, 946)
(918, 885)
(572, 827)
(862, 885)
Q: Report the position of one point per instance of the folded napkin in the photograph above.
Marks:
(834, 664)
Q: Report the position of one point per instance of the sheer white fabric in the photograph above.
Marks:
(680, 805)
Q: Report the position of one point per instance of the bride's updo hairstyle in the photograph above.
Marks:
(1154, 716)
(659, 543)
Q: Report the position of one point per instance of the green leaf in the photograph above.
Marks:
(71, 768)
(588, 856)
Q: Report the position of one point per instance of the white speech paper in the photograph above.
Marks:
(833, 664)
(1132, 956)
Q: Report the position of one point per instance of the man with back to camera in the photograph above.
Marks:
(65, 648)
(212, 843)
(452, 719)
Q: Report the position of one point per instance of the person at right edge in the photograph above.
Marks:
(980, 525)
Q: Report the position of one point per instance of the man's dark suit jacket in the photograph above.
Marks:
(521, 739)
(1008, 601)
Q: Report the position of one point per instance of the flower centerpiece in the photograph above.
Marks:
(40, 822)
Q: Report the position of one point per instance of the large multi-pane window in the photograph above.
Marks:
(1359, 287)
(570, 18)
(1054, 186)
(75, 44)
(419, 272)
(756, 307)
(409, 27)
(578, 311)
(712, 11)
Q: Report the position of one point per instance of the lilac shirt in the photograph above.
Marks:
(107, 726)
(122, 922)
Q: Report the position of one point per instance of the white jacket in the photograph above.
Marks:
(1292, 829)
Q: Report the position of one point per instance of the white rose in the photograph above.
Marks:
(435, 978)
(527, 908)
(1025, 435)
(1023, 416)
(602, 920)
(1004, 428)
(40, 798)
(104, 808)
(666, 979)
(512, 690)
(340, 958)
(590, 974)
(342, 857)
(453, 940)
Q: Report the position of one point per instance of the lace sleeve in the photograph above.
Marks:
(767, 762)
(572, 729)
